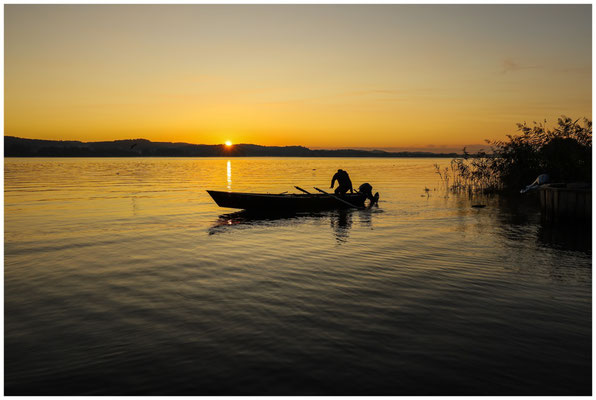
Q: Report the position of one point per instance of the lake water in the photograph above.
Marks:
(122, 277)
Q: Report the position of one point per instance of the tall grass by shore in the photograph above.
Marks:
(564, 152)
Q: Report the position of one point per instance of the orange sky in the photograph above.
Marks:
(314, 75)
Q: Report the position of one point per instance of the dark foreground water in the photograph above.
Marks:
(123, 277)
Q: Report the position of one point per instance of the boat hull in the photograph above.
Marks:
(284, 202)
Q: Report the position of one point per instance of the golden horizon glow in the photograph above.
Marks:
(322, 76)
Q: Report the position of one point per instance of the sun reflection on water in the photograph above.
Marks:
(229, 175)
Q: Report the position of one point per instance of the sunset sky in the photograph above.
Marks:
(380, 76)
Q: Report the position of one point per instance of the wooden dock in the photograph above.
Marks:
(564, 202)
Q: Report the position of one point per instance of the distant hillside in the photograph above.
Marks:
(19, 147)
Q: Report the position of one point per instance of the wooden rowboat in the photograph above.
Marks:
(286, 202)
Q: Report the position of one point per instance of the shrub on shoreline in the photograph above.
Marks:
(564, 152)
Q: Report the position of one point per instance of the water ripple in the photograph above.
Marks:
(122, 277)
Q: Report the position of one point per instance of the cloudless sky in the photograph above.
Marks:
(403, 76)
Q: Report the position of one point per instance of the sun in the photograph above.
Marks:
(228, 143)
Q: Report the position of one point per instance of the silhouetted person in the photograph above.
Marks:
(366, 189)
(344, 182)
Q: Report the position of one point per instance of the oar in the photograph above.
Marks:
(337, 198)
(302, 190)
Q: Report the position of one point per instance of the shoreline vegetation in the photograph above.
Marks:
(564, 152)
(20, 147)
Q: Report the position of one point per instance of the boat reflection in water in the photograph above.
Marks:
(340, 221)
(241, 219)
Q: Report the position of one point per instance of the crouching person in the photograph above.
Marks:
(366, 189)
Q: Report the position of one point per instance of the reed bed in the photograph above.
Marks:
(564, 152)
(470, 173)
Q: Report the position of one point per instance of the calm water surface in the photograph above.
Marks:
(123, 277)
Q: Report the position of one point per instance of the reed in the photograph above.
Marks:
(564, 152)
(470, 173)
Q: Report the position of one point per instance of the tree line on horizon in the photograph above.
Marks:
(20, 147)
